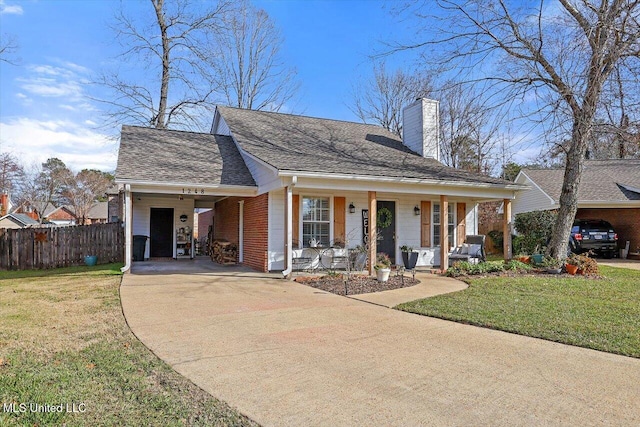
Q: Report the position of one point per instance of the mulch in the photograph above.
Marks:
(357, 284)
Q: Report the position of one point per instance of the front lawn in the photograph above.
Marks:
(602, 314)
(64, 345)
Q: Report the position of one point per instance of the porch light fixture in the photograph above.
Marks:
(352, 208)
(416, 210)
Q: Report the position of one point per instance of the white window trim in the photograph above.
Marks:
(301, 219)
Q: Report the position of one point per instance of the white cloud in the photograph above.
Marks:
(34, 141)
(12, 9)
(42, 86)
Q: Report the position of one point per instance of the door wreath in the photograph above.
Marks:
(384, 218)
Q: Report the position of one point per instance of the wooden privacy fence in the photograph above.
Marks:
(51, 247)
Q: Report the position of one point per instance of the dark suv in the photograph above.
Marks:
(593, 234)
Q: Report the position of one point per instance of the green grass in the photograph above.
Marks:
(602, 314)
(64, 340)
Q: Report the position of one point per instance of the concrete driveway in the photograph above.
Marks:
(286, 354)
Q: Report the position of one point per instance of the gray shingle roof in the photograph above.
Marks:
(22, 218)
(602, 180)
(171, 156)
(298, 143)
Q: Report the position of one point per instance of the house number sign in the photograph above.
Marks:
(193, 191)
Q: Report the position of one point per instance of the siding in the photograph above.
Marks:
(222, 128)
(142, 209)
(265, 177)
(530, 200)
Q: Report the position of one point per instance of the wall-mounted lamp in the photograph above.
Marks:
(416, 210)
(352, 208)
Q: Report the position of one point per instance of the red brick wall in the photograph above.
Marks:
(626, 222)
(204, 221)
(256, 230)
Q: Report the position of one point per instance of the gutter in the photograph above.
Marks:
(289, 237)
(128, 226)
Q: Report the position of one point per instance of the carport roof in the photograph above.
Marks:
(602, 181)
(170, 156)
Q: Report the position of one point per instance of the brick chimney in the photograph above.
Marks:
(421, 127)
(4, 204)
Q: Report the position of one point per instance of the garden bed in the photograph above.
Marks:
(357, 284)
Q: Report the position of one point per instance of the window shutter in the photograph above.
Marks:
(339, 226)
(461, 229)
(295, 222)
(425, 224)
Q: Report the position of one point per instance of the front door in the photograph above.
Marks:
(161, 232)
(386, 224)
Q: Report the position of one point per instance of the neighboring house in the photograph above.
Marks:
(609, 190)
(278, 181)
(5, 204)
(115, 203)
(98, 214)
(64, 215)
(18, 220)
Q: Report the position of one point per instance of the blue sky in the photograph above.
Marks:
(44, 108)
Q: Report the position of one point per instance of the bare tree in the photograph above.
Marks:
(11, 173)
(469, 128)
(166, 51)
(561, 57)
(8, 47)
(87, 187)
(247, 63)
(381, 99)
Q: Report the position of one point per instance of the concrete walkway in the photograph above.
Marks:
(286, 354)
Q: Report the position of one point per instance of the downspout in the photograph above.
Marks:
(288, 252)
(128, 219)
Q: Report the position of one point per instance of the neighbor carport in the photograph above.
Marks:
(286, 354)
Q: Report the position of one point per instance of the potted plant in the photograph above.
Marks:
(382, 267)
(537, 256)
(553, 265)
(409, 257)
(90, 260)
(573, 264)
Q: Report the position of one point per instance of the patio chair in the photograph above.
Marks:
(472, 250)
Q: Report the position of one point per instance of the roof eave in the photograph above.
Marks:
(400, 180)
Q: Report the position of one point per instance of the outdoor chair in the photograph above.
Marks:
(472, 250)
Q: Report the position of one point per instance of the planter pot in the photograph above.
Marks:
(525, 259)
(90, 260)
(409, 259)
(537, 258)
(383, 274)
(571, 269)
(554, 270)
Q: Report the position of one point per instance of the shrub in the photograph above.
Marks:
(585, 263)
(497, 237)
(535, 230)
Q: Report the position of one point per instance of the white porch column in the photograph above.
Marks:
(128, 227)
(288, 229)
(241, 231)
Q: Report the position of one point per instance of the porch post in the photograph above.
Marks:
(373, 243)
(288, 231)
(444, 233)
(241, 231)
(128, 228)
(506, 230)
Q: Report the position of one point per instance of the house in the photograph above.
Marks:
(63, 215)
(18, 220)
(279, 182)
(609, 190)
(98, 214)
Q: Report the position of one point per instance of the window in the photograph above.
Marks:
(436, 224)
(315, 220)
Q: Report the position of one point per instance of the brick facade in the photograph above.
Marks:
(626, 222)
(256, 230)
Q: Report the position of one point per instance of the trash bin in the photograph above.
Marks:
(139, 244)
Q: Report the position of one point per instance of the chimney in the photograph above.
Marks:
(421, 127)
(4, 204)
